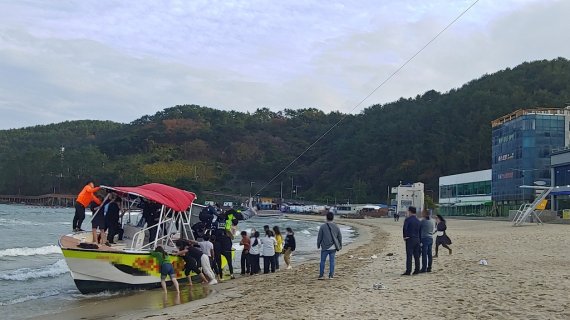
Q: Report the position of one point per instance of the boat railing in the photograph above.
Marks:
(138, 238)
(167, 223)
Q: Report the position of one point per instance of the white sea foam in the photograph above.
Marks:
(104, 294)
(50, 271)
(305, 231)
(17, 222)
(44, 294)
(25, 251)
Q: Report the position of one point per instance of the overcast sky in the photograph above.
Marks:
(119, 60)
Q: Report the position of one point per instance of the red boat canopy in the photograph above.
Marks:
(174, 198)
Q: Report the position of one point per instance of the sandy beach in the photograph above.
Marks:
(527, 277)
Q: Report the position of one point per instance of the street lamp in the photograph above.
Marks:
(61, 150)
(349, 195)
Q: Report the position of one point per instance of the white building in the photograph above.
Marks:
(409, 196)
(466, 193)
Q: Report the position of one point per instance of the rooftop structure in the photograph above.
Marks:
(521, 112)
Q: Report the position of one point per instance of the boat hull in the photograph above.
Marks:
(90, 286)
(96, 271)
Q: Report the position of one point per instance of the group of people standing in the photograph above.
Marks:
(418, 236)
(271, 246)
(204, 257)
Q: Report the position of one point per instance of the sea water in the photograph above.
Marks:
(35, 280)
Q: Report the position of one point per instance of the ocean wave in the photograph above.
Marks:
(305, 231)
(25, 251)
(44, 294)
(71, 295)
(53, 270)
(17, 222)
(104, 294)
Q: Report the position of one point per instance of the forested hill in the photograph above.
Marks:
(200, 148)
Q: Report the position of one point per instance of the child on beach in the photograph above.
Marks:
(442, 238)
(166, 268)
(278, 246)
(268, 244)
(289, 247)
(254, 252)
(245, 264)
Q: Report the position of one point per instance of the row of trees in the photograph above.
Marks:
(201, 148)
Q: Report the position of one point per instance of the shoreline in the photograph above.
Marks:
(217, 293)
(227, 291)
(527, 277)
(230, 294)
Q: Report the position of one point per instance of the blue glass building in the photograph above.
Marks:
(522, 144)
(560, 173)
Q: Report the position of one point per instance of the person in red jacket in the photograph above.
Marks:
(83, 200)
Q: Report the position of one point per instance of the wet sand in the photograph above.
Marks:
(527, 277)
(128, 304)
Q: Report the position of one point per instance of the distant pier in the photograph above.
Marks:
(47, 200)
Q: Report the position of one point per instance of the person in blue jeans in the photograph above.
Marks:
(411, 231)
(426, 238)
(329, 241)
(166, 268)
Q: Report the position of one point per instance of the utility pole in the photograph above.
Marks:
(292, 187)
(250, 188)
(62, 149)
(281, 191)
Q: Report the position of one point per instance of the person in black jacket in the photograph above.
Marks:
(112, 219)
(192, 257)
(223, 247)
(289, 247)
(412, 238)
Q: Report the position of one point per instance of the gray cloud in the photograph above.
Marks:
(118, 61)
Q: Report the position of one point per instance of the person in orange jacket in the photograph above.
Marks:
(83, 200)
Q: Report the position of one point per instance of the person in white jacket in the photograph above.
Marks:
(254, 251)
(268, 244)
